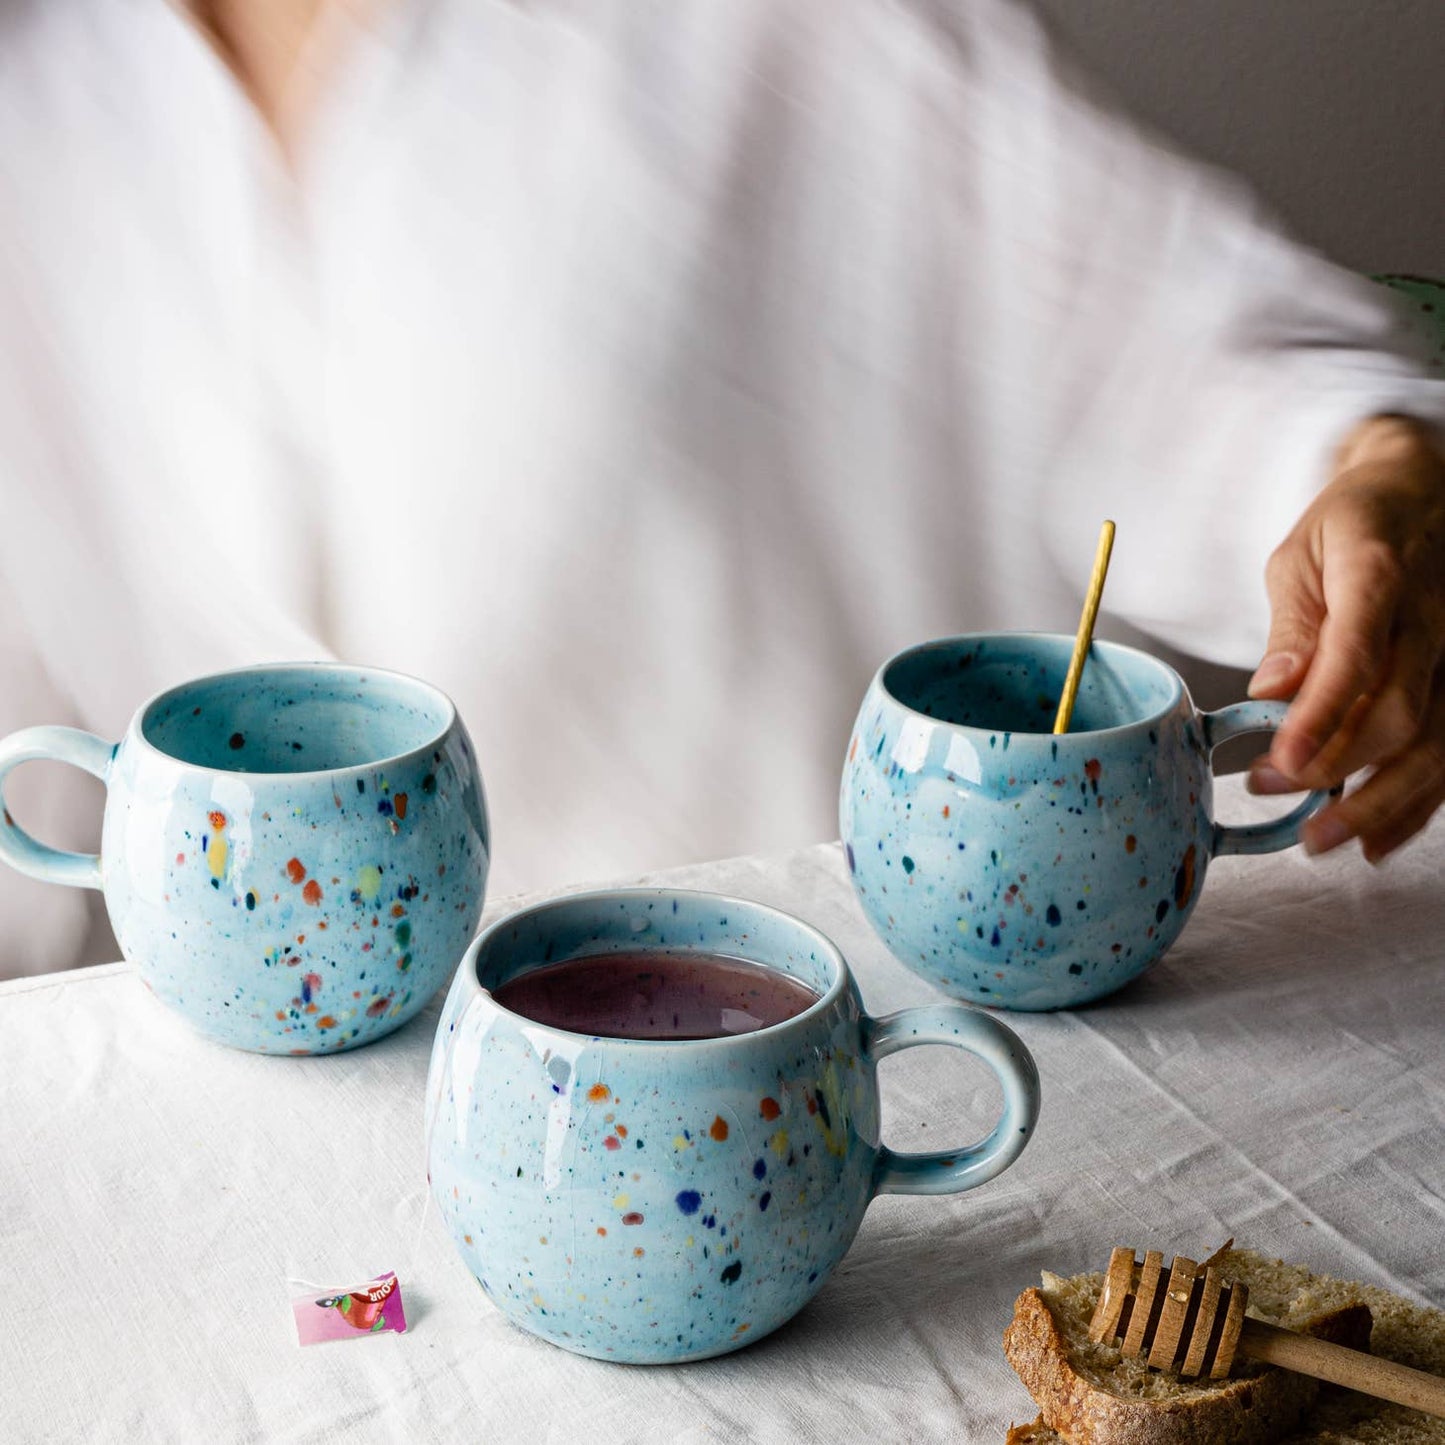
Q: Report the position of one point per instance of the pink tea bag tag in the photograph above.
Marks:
(373, 1308)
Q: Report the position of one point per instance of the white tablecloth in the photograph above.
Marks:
(1280, 1077)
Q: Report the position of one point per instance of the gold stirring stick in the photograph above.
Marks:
(1086, 628)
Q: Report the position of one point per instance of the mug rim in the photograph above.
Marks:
(136, 730)
(1177, 688)
(835, 990)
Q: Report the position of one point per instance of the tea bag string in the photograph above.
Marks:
(411, 1264)
(407, 1272)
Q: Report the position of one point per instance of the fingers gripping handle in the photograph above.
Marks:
(1256, 717)
(17, 847)
(954, 1170)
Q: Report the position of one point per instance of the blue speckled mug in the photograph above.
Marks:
(654, 1201)
(292, 857)
(1023, 870)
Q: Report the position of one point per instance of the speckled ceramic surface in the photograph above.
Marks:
(659, 1201)
(292, 857)
(1425, 310)
(1022, 870)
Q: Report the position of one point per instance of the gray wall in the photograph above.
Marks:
(1333, 109)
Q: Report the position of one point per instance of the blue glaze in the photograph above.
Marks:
(248, 872)
(738, 1169)
(1022, 870)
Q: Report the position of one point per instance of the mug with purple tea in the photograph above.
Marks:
(653, 1120)
(292, 857)
(1024, 870)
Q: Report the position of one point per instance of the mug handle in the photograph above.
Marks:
(17, 848)
(952, 1171)
(1270, 837)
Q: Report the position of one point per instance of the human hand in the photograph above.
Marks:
(1357, 639)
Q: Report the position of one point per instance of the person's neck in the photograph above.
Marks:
(268, 45)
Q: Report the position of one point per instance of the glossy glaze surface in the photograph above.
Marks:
(649, 1201)
(294, 857)
(1022, 870)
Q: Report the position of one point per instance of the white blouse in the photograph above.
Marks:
(641, 373)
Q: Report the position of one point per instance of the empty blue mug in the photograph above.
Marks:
(292, 857)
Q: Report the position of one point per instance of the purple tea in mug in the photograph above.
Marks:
(656, 994)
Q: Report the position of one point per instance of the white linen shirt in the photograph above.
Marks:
(641, 373)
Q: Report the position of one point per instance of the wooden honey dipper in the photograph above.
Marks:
(1192, 1321)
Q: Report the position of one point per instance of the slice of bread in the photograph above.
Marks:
(1090, 1395)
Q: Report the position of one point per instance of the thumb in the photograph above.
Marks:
(1297, 611)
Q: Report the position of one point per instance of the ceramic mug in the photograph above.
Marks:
(648, 1200)
(292, 857)
(1023, 870)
